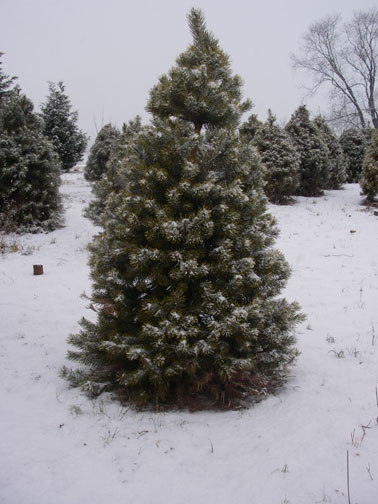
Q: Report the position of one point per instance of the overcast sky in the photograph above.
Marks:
(109, 53)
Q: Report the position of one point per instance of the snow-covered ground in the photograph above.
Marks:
(57, 446)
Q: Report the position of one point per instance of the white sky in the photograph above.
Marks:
(109, 53)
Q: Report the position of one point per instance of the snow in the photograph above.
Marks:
(57, 446)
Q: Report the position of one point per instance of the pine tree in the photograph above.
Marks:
(60, 126)
(314, 162)
(250, 127)
(100, 152)
(369, 177)
(29, 168)
(280, 159)
(368, 133)
(6, 82)
(114, 178)
(337, 172)
(353, 143)
(185, 277)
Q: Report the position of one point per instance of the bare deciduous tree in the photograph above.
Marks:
(344, 57)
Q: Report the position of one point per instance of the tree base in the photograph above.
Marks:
(212, 393)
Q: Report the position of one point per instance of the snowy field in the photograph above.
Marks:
(58, 447)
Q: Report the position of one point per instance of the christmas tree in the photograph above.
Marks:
(250, 127)
(313, 152)
(185, 279)
(29, 167)
(100, 152)
(369, 177)
(114, 177)
(6, 82)
(337, 172)
(280, 159)
(353, 143)
(60, 126)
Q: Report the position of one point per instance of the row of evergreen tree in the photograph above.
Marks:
(303, 158)
(34, 148)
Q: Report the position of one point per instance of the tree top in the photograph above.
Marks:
(200, 88)
(197, 24)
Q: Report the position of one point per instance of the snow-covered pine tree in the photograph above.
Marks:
(353, 143)
(280, 159)
(113, 179)
(313, 152)
(100, 152)
(60, 127)
(368, 134)
(29, 167)
(337, 169)
(186, 281)
(250, 127)
(6, 82)
(369, 177)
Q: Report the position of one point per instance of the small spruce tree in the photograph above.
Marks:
(6, 82)
(353, 142)
(113, 179)
(100, 152)
(280, 159)
(337, 169)
(250, 127)
(369, 177)
(60, 126)
(29, 167)
(313, 152)
(184, 274)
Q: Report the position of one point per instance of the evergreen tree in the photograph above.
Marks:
(280, 159)
(113, 179)
(353, 143)
(313, 152)
(185, 277)
(337, 171)
(368, 134)
(6, 82)
(60, 126)
(369, 178)
(29, 168)
(250, 127)
(100, 152)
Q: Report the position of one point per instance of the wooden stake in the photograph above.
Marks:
(37, 269)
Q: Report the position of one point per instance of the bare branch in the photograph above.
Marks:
(346, 60)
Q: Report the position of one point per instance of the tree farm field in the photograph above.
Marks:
(59, 446)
